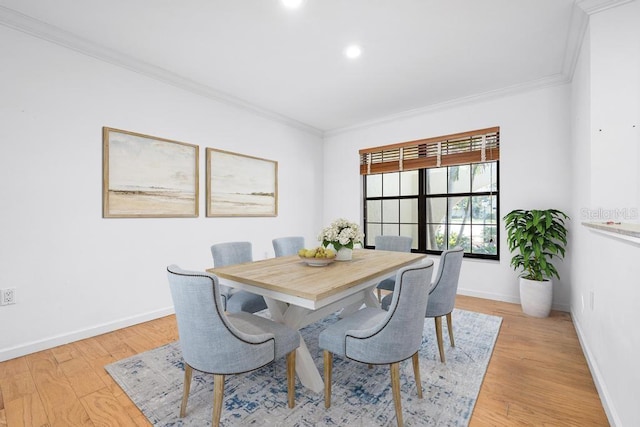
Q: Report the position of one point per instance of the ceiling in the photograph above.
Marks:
(289, 64)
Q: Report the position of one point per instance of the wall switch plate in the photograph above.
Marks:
(7, 296)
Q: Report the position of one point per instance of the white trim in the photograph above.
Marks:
(42, 30)
(596, 6)
(607, 402)
(506, 298)
(44, 344)
(554, 80)
(577, 29)
(53, 34)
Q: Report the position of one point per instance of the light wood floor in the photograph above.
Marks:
(537, 376)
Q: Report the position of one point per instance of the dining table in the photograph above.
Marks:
(299, 293)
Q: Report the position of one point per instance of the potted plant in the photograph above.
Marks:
(536, 236)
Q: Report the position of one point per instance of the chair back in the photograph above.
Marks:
(442, 297)
(394, 243)
(231, 253)
(399, 334)
(285, 246)
(209, 342)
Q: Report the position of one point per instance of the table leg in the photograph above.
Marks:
(276, 309)
(368, 298)
(294, 317)
(307, 370)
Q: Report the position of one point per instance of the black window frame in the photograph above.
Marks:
(422, 198)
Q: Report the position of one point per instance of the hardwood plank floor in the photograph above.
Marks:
(537, 376)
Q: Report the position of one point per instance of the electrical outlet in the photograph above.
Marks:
(7, 296)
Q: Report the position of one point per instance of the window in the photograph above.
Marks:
(444, 198)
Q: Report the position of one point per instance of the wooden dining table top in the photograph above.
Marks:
(290, 275)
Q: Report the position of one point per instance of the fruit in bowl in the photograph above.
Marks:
(317, 253)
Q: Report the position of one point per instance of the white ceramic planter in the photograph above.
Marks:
(344, 254)
(536, 297)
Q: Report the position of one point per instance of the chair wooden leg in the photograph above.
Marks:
(395, 389)
(188, 373)
(450, 329)
(218, 397)
(291, 378)
(438, 321)
(379, 295)
(416, 373)
(328, 361)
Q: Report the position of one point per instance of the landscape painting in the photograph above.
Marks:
(239, 185)
(146, 176)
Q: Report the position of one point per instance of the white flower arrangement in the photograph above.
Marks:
(341, 234)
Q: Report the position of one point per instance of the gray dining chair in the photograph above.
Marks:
(391, 243)
(214, 342)
(442, 296)
(376, 337)
(235, 301)
(284, 246)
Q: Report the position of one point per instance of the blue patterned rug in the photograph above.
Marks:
(360, 396)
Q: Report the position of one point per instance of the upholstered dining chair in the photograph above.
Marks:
(214, 342)
(375, 337)
(284, 246)
(442, 296)
(391, 243)
(236, 253)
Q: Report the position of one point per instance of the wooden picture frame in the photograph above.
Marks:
(240, 185)
(148, 177)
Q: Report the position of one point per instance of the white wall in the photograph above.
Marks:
(606, 154)
(75, 273)
(534, 170)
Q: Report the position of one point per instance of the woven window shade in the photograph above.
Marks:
(477, 146)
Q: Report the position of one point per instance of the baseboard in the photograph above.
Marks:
(507, 298)
(612, 415)
(35, 346)
(32, 347)
(488, 295)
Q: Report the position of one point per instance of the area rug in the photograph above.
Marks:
(360, 396)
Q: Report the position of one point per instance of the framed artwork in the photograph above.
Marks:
(146, 177)
(239, 185)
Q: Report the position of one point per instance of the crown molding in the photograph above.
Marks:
(53, 34)
(577, 29)
(579, 23)
(582, 9)
(595, 6)
(555, 80)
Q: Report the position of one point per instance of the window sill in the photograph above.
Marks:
(629, 232)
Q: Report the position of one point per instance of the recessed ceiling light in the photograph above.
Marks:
(292, 4)
(353, 51)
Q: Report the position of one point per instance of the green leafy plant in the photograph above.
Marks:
(454, 240)
(538, 236)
